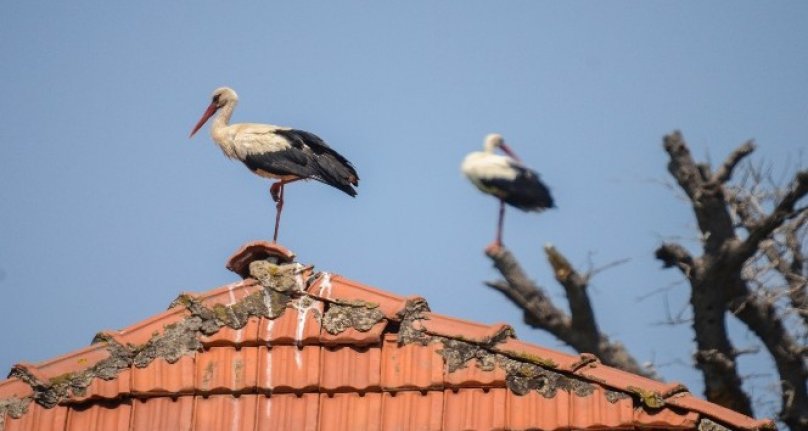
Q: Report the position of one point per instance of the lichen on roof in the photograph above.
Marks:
(339, 318)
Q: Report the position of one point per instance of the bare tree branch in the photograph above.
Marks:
(594, 271)
(724, 173)
(675, 255)
(783, 211)
(762, 318)
(787, 260)
(583, 317)
(712, 215)
(682, 166)
(792, 272)
(540, 312)
(796, 275)
(760, 315)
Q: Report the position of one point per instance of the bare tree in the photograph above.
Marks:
(752, 266)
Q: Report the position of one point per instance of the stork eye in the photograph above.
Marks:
(216, 99)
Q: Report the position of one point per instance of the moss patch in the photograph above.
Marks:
(708, 425)
(521, 376)
(280, 278)
(14, 407)
(338, 318)
(533, 359)
(414, 309)
(649, 398)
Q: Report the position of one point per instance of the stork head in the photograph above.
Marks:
(494, 141)
(220, 98)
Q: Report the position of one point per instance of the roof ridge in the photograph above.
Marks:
(348, 311)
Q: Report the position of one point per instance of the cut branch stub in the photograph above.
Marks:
(561, 266)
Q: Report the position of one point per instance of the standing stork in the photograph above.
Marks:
(506, 178)
(276, 152)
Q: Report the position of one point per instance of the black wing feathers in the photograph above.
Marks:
(525, 192)
(319, 160)
(286, 162)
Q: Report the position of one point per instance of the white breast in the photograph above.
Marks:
(483, 166)
(258, 143)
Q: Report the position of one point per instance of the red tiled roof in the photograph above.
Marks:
(296, 350)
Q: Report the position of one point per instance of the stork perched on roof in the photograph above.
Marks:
(505, 177)
(276, 152)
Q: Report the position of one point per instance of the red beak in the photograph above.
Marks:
(507, 150)
(208, 113)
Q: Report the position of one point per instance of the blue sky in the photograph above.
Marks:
(109, 210)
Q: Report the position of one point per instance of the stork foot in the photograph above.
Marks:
(493, 248)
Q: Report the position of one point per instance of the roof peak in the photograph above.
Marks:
(257, 336)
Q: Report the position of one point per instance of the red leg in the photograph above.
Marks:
(277, 195)
(276, 191)
(498, 241)
(500, 222)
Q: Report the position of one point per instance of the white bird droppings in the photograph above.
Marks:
(231, 294)
(299, 277)
(303, 306)
(325, 286)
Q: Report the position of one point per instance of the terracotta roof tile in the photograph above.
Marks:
(240, 261)
(350, 412)
(598, 411)
(297, 325)
(474, 409)
(162, 413)
(244, 336)
(289, 369)
(567, 410)
(140, 333)
(289, 412)
(666, 418)
(719, 413)
(473, 375)
(64, 365)
(225, 412)
(291, 350)
(410, 366)
(354, 336)
(14, 387)
(628, 382)
(335, 287)
(100, 417)
(106, 389)
(398, 408)
(39, 418)
(226, 295)
(226, 370)
(451, 327)
(163, 378)
(350, 369)
(537, 354)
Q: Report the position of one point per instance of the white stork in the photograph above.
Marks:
(506, 178)
(276, 152)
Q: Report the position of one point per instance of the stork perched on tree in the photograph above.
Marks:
(276, 152)
(505, 177)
